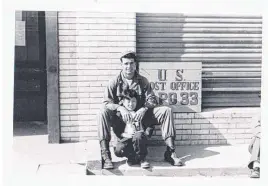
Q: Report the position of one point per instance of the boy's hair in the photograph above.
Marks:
(129, 93)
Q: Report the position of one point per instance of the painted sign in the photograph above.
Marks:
(177, 85)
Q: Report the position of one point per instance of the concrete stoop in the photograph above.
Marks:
(208, 161)
(162, 169)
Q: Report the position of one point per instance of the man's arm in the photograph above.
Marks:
(110, 95)
(150, 98)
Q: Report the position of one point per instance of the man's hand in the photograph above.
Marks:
(126, 116)
(140, 114)
(128, 135)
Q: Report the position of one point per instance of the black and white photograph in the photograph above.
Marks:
(142, 93)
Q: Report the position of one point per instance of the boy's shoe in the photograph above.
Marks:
(255, 173)
(144, 164)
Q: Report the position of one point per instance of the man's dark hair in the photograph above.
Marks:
(130, 55)
(129, 93)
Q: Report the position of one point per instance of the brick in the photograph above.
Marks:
(222, 115)
(196, 126)
(83, 95)
(187, 126)
(205, 126)
(217, 142)
(243, 126)
(240, 120)
(243, 136)
(178, 126)
(200, 121)
(183, 143)
(200, 131)
(65, 106)
(68, 112)
(68, 89)
(182, 121)
(236, 131)
(195, 137)
(83, 106)
(96, 95)
(217, 131)
(199, 142)
(65, 118)
(95, 106)
(227, 126)
(99, 84)
(236, 141)
(67, 78)
(184, 115)
(229, 136)
(203, 115)
(221, 136)
(77, 134)
(90, 100)
(204, 137)
(219, 120)
(79, 129)
(69, 100)
(64, 84)
(183, 131)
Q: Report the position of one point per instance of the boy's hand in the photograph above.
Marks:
(140, 114)
(126, 116)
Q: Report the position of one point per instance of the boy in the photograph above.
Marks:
(133, 141)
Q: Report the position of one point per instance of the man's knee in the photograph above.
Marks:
(104, 112)
(165, 110)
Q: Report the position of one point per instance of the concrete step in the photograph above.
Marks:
(163, 169)
(206, 161)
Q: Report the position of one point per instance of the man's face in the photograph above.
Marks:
(128, 66)
(130, 104)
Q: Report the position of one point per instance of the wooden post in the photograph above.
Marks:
(52, 66)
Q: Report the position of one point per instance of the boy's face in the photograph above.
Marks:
(130, 104)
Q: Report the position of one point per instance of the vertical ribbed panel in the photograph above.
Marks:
(229, 48)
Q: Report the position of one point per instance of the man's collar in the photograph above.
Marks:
(136, 76)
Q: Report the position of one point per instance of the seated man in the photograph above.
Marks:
(147, 110)
(254, 148)
(132, 141)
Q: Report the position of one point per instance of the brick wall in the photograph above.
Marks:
(216, 126)
(90, 45)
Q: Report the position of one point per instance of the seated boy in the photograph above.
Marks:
(133, 141)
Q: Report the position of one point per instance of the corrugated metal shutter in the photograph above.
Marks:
(229, 48)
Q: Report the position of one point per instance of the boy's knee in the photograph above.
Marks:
(119, 149)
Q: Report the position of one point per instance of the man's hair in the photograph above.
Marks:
(129, 93)
(130, 55)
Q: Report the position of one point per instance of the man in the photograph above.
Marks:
(254, 148)
(146, 110)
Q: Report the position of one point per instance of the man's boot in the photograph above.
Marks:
(170, 154)
(106, 159)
